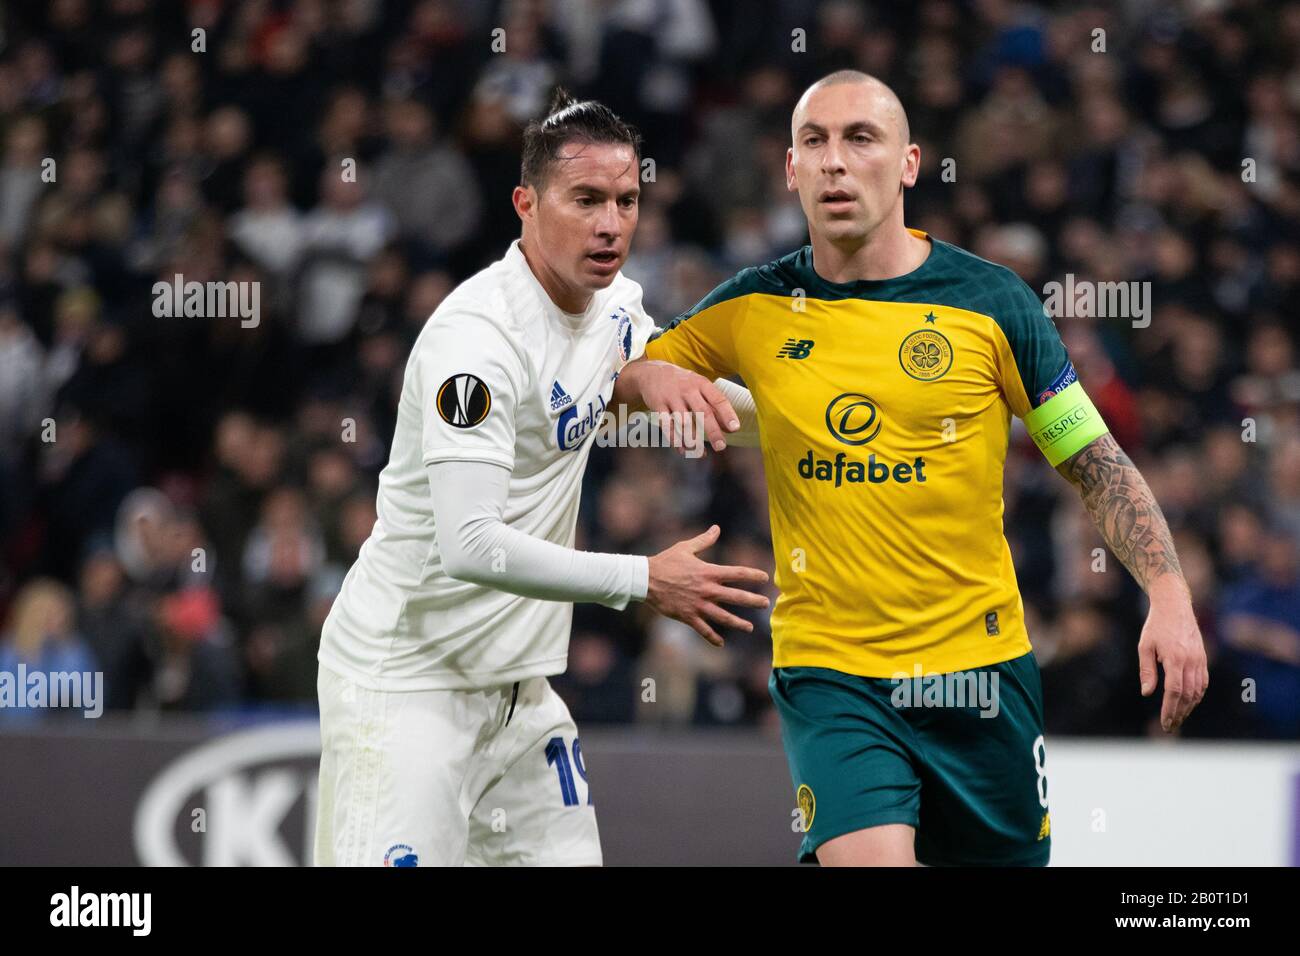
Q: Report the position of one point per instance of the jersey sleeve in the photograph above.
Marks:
(469, 378)
(703, 339)
(643, 327)
(476, 545)
(1038, 379)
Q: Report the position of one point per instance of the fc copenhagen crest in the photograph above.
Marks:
(926, 354)
(624, 334)
(807, 805)
(464, 401)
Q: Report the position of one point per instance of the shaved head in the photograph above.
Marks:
(884, 99)
(850, 160)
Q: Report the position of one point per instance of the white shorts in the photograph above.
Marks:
(489, 777)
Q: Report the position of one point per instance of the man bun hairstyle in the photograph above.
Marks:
(566, 121)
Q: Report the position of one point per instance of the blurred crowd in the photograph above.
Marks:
(181, 497)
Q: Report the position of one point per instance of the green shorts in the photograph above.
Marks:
(959, 756)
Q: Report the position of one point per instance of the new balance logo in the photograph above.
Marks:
(559, 397)
(795, 349)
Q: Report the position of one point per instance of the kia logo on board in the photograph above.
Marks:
(231, 801)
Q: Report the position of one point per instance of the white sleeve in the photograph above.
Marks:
(642, 325)
(469, 498)
(746, 410)
(470, 376)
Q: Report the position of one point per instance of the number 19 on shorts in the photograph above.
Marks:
(557, 756)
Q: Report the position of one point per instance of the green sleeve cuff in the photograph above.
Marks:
(1065, 423)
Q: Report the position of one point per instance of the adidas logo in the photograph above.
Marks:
(559, 397)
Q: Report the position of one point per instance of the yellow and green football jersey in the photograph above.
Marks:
(884, 408)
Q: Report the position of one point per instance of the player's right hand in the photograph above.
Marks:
(690, 590)
(679, 397)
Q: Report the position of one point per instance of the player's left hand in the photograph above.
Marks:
(677, 394)
(1172, 638)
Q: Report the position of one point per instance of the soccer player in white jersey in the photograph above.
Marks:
(442, 741)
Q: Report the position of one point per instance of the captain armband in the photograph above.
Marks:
(1065, 423)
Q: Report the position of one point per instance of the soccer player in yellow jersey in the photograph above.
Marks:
(884, 367)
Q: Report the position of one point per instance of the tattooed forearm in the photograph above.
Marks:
(1123, 509)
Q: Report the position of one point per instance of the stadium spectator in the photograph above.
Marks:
(41, 638)
(1259, 624)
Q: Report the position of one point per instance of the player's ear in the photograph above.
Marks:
(525, 202)
(791, 181)
(911, 164)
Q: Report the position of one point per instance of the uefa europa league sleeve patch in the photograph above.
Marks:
(464, 401)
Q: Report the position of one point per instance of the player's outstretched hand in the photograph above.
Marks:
(1172, 638)
(692, 591)
(678, 396)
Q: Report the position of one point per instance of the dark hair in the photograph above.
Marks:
(568, 120)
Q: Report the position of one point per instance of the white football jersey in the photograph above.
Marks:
(498, 374)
